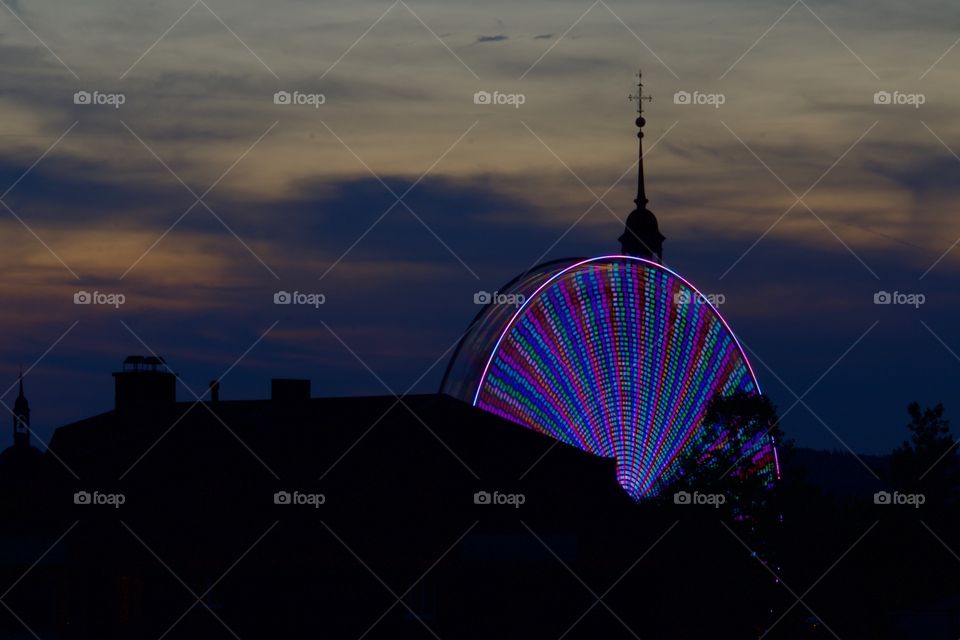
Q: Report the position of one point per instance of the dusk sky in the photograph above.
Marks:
(798, 199)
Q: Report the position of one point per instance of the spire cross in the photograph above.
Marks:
(639, 98)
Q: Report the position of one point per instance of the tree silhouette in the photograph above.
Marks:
(928, 462)
(723, 458)
(729, 461)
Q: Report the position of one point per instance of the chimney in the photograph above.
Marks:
(289, 390)
(144, 384)
(214, 391)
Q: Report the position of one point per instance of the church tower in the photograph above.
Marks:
(21, 419)
(642, 237)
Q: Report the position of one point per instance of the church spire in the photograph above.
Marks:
(640, 98)
(642, 237)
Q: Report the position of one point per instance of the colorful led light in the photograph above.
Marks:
(616, 355)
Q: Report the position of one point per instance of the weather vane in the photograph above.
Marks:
(639, 97)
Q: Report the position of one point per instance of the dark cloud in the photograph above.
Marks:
(496, 38)
(72, 192)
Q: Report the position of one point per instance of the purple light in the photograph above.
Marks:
(616, 355)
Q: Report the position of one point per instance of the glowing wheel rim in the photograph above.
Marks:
(616, 355)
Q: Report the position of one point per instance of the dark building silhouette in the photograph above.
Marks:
(420, 493)
(144, 383)
(289, 390)
(380, 517)
(26, 520)
(641, 237)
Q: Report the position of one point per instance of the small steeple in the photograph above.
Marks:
(21, 417)
(642, 237)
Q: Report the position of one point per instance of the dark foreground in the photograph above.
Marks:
(390, 538)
